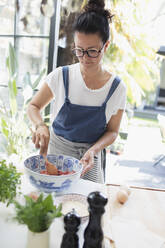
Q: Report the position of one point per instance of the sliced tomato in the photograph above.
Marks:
(59, 172)
(44, 172)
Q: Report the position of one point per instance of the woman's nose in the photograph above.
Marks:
(85, 56)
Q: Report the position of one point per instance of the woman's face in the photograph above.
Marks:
(88, 42)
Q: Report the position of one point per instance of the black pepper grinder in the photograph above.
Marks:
(71, 223)
(93, 234)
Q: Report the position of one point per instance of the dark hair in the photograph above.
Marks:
(94, 19)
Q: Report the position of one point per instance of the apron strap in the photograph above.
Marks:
(115, 83)
(65, 73)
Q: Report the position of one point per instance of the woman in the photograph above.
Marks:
(89, 101)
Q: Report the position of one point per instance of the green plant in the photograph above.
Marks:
(37, 214)
(132, 51)
(14, 124)
(9, 180)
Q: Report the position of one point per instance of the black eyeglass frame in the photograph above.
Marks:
(86, 51)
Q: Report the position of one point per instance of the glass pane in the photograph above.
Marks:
(30, 19)
(32, 56)
(69, 11)
(4, 46)
(7, 17)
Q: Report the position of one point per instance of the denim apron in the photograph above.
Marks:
(77, 127)
(78, 123)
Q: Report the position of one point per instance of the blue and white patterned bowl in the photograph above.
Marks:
(50, 183)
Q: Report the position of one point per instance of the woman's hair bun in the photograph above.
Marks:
(98, 6)
(95, 4)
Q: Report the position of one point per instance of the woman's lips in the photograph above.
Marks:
(87, 63)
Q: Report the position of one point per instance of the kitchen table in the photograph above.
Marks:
(139, 223)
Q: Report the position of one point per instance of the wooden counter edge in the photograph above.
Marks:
(137, 187)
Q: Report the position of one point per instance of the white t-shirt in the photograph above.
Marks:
(80, 94)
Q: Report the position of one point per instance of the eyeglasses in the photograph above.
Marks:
(92, 53)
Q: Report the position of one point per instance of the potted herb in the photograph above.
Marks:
(38, 214)
(9, 180)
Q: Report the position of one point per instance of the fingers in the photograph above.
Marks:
(37, 141)
(85, 165)
(41, 140)
(34, 137)
(86, 169)
(87, 161)
(42, 144)
(44, 141)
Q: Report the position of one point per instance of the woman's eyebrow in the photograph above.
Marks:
(92, 47)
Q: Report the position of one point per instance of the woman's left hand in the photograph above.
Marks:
(87, 161)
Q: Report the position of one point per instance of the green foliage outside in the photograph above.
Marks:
(9, 182)
(131, 53)
(144, 122)
(14, 124)
(37, 214)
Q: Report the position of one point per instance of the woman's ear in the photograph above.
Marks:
(106, 45)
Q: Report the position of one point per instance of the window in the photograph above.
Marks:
(28, 31)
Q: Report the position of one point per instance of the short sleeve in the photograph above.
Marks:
(123, 96)
(52, 80)
(118, 100)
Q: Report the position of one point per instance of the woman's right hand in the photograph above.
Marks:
(41, 139)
